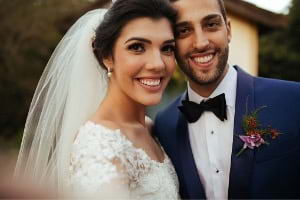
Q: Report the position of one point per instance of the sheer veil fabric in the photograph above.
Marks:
(71, 88)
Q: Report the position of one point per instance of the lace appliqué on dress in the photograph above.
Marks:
(104, 161)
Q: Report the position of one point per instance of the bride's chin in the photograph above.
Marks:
(151, 100)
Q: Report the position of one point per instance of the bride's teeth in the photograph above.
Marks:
(203, 59)
(152, 82)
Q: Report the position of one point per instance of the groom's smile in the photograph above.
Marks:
(202, 38)
(202, 61)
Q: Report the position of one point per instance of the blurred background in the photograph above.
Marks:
(265, 43)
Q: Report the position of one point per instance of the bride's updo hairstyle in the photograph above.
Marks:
(122, 12)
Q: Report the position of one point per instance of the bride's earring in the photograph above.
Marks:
(109, 72)
(108, 63)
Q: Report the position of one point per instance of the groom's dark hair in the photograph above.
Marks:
(122, 12)
(221, 5)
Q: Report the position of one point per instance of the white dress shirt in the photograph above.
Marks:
(211, 139)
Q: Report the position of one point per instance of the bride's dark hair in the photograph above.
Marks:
(121, 12)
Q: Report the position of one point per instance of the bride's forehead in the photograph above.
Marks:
(146, 27)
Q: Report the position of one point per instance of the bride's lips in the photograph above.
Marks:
(151, 84)
(202, 61)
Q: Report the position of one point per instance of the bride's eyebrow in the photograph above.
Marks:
(169, 41)
(138, 39)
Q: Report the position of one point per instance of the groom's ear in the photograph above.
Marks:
(228, 27)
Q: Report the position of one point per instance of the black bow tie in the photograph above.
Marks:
(193, 111)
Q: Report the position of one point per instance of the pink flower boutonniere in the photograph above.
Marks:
(256, 135)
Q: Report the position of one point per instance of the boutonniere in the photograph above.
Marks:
(256, 134)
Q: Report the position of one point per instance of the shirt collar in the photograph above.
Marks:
(227, 85)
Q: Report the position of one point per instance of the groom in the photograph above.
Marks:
(203, 140)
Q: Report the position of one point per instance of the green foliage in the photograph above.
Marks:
(29, 33)
(280, 51)
(294, 25)
(178, 81)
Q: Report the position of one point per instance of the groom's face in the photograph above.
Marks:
(202, 38)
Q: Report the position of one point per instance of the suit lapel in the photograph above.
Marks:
(242, 166)
(191, 178)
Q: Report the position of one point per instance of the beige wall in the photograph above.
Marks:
(243, 49)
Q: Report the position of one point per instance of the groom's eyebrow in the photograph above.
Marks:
(182, 24)
(212, 16)
(138, 39)
(206, 18)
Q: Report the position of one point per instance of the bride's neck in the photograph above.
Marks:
(120, 108)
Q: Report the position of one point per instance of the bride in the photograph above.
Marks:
(86, 131)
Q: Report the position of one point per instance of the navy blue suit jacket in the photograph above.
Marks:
(272, 171)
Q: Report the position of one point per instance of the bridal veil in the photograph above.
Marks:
(70, 89)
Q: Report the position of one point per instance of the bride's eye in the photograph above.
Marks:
(136, 47)
(168, 49)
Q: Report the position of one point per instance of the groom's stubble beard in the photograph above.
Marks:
(204, 78)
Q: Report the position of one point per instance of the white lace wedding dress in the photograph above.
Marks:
(104, 163)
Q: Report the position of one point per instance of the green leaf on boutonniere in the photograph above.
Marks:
(255, 135)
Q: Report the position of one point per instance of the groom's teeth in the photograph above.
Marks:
(203, 59)
(150, 82)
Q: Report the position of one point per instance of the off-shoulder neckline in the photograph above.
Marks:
(139, 149)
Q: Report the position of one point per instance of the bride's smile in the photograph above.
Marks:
(143, 61)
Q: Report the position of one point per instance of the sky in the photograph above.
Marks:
(278, 6)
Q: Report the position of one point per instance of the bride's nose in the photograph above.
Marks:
(155, 61)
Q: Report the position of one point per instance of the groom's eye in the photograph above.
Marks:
(182, 31)
(213, 24)
(136, 47)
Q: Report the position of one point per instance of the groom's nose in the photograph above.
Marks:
(200, 38)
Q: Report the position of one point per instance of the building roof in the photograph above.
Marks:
(255, 14)
(240, 8)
